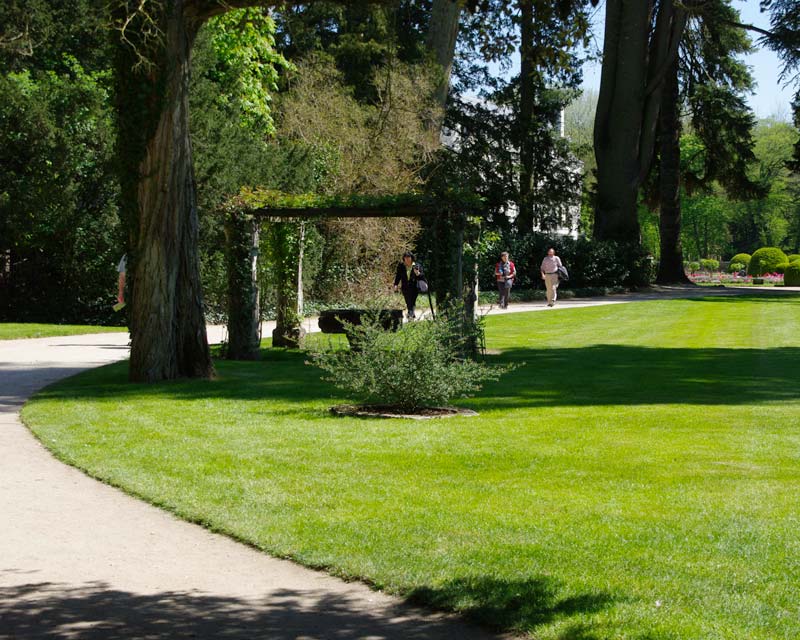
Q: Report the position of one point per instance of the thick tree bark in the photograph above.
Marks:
(441, 42)
(632, 78)
(525, 217)
(670, 266)
(168, 334)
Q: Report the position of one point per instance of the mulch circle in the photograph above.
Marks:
(391, 411)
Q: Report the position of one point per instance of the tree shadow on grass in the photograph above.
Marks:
(521, 605)
(601, 374)
(784, 297)
(619, 375)
(96, 611)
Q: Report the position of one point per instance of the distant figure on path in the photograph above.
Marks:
(408, 275)
(504, 273)
(122, 267)
(549, 268)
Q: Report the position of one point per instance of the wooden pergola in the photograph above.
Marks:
(247, 211)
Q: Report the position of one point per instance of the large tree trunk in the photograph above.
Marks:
(525, 217)
(441, 42)
(168, 334)
(631, 85)
(670, 266)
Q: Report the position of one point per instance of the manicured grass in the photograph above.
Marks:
(17, 330)
(635, 478)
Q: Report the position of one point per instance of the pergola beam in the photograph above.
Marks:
(409, 211)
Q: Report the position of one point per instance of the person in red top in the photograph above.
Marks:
(504, 273)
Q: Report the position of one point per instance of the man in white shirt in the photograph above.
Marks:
(549, 268)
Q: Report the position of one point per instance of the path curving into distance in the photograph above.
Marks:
(80, 559)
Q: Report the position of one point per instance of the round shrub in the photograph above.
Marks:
(709, 264)
(781, 268)
(765, 260)
(694, 266)
(794, 257)
(791, 277)
(736, 267)
(743, 258)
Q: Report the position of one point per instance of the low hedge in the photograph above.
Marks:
(791, 277)
(794, 257)
(766, 260)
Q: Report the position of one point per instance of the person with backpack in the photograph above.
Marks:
(408, 276)
(504, 274)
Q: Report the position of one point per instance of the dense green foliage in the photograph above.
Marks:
(765, 260)
(744, 258)
(635, 477)
(59, 240)
(791, 275)
(591, 263)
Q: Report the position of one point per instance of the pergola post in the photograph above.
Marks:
(286, 243)
(244, 315)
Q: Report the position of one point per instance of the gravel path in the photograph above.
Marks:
(79, 559)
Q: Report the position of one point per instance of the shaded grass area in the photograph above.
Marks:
(18, 330)
(635, 477)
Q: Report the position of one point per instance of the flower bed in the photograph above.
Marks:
(718, 277)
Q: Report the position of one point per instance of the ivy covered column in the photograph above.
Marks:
(285, 244)
(244, 314)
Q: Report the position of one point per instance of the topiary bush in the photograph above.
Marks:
(765, 260)
(791, 276)
(421, 365)
(709, 265)
(694, 266)
(743, 258)
(736, 267)
(781, 268)
(794, 257)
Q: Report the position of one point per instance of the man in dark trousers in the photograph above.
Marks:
(407, 276)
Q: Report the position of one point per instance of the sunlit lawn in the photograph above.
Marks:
(637, 477)
(17, 330)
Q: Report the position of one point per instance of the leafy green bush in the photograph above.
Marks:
(794, 257)
(694, 266)
(709, 264)
(421, 365)
(591, 263)
(743, 258)
(736, 267)
(781, 268)
(765, 260)
(791, 276)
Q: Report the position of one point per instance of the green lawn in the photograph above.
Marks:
(637, 477)
(17, 330)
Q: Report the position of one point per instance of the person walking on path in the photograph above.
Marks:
(549, 269)
(504, 274)
(408, 275)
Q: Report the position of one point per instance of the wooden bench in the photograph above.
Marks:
(333, 320)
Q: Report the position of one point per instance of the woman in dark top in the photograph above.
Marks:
(407, 275)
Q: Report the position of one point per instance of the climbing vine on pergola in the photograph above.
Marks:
(445, 214)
